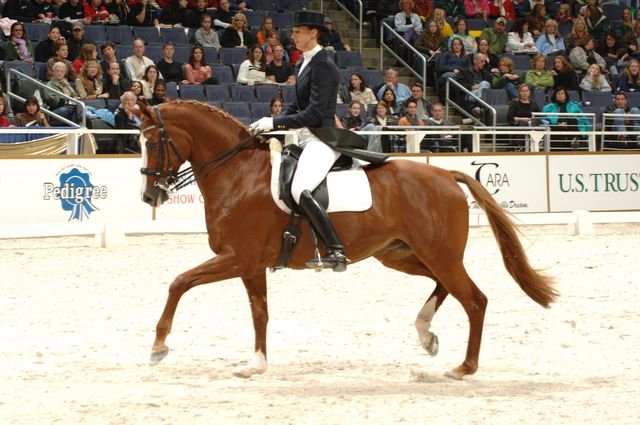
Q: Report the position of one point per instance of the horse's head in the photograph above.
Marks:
(162, 156)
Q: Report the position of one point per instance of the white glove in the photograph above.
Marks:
(262, 125)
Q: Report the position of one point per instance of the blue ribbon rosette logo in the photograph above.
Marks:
(75, 193)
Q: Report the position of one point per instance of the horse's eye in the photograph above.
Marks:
(151, 146)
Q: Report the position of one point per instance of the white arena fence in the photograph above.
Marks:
(80, 194)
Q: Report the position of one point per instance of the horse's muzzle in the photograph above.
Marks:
(155, 196)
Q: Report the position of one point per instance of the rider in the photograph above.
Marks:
(317, 82)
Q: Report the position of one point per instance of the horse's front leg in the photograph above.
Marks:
(257, 290)
(221, 267)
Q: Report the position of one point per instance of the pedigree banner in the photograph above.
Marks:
(517, 182)
(70, 189)
(594, 182)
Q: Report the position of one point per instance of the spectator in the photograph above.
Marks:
(18, 10)
(142, 13)
(551, 42)
(265, 28)
(506, 78)
(89, 84)
(440, 18)
(279, 70)
(148, 80)
(42, 11)
(273, 40)
(451, 64)
(137, 63)
(536, 19)
(252, 70)
(114, 83)
(400, 90)
(126, 118)
(611, 51)
(223, 17)
(359, 91)
(352, 120)
(496, 36)
(382, 118)
(476, 78)
(629, 79)
(73, 11)
(171, 70)
(95, 11)
(564, 13)
(295, 54)
(623, 124)
(330, 38)
(478, 9)
(631, 41)
(32, 114)
(18, 47)
(275, 107)
(597, 23)
(441, 140)
(237, 35)
(159, 94)
(44, 49)
(594, 80)
(578, 31)
(109, 53)
(407, 23)
(238, 5)
(522, 108)
(431, 43)
(538, 76)
(119, 11)
(87, 52)
(4, 121)
(423, 106)
(498, 8)
(59, 104)
(627, 25)
(468, 41)
(197, 71)
(389, 96)
(385, 10)
(205, 36)
(561, 103)
(77, 40)
(136, 88)
(563, 74)
(61, 51)
(584, 55)
(174, 15)
(491, 59)
(194, 15)
(519, 38)
(410, 119)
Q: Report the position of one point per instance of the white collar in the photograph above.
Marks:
(308, 55)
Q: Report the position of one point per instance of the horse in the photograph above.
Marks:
(418, 224)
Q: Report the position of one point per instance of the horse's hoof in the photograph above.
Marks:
(454, 375)
(244, 371)
(158, 355)
(433, 346)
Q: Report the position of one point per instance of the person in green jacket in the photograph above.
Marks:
(538, 76)
(496, 36)
(506, 78)
(18, 47)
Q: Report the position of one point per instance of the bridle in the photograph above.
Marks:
(174, 180)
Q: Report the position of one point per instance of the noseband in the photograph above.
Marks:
(174, 180)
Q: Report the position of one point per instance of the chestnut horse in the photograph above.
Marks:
(418, 224)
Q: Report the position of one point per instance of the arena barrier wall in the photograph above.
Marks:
(78, 195)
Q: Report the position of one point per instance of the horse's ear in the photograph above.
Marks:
(142, 109)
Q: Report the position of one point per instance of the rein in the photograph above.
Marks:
(176, 181)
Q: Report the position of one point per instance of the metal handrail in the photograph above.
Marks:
(591, 134)
(83, 120)
(460, 109)
(358, 20)
(383, 46)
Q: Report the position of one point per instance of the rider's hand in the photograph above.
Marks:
(262, 125)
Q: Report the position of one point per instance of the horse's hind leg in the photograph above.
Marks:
(257, 291)
(218, 268)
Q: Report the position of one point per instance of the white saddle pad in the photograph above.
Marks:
(349, 190)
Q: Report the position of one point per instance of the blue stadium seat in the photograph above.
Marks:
(36, 31)
(40, 69)
(192, 91)
(112, 104)
(266, 92)
(24, 67)
(154, 52)
(255, 17)
(475, 24)
(232, 55)
(260, 109)
(496, 96)
(215, 103)
(240, 93)
(539, 96)
(596, 98)
(222, 73)
(124, 51)
(211, 55)
(148, 34)
(218, 93)
(521, 62)
(372, 77)
(95, 33)
(288, 94)
(238, 109)
(182, 53)
(341, 109)
(172, 90)
(565, 27)
(613, 11)
(371, 110)
(119, 34)
(262, 5)
(345, 75)
(95, 103)
(282, 20)
(175, 35)
(633, 98)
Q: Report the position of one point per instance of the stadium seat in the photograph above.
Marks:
(260, 109)
(574, 95)
(232, 55)
(192, 91)
(23, 67)
(240, 93)
(174, 35)
(496, 96)
(371, 110)
(539, 96)
(95, 33)
(148, 34)
(266, 5)
(565, 27)
(182, 53)
(255, 17)
(244, 120)
(476, 24)
(341, 109)
(215, 103)
(222, 73)
(40, 69)
(238, 109)
(95, 103)
(373, 77)
(596, 98)
(119, 34)
(172, 90)
(36, 31)
(266, 92)
(284, 5)
(521, 62)
(124, 51)
(282, 19)
(288, 94)
(633, 98)
(613, 11)
(112, 104)
(154, 52)
(345, 75)
(217, 93)
(211, 55)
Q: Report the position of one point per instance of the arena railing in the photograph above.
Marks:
(571, 131)
(358, 18)
(385, 30)
(611, 136)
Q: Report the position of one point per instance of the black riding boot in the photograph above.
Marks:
(320, 221)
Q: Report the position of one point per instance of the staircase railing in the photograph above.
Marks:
(358, 19)
(386, 29)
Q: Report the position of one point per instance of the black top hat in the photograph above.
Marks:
(309, 19)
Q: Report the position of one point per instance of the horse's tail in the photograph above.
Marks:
(535, 284)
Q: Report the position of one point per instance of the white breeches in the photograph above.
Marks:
(315, 162)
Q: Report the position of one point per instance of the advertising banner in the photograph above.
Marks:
(594, 182)
(517, 182)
